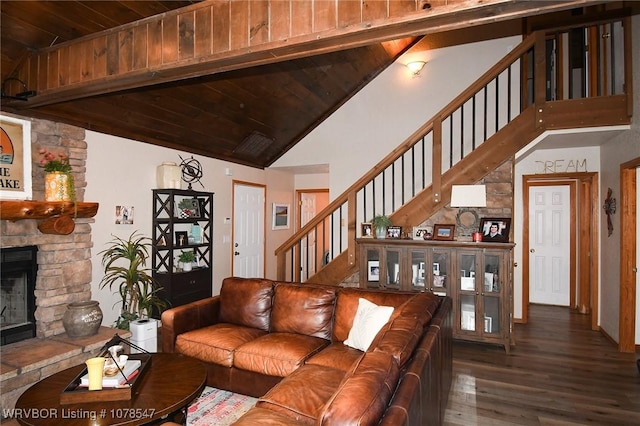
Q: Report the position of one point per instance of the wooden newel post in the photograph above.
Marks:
(60, 225)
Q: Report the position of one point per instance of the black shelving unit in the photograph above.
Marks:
(173, 229)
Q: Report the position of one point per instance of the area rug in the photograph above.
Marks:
(218, 407)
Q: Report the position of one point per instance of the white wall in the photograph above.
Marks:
(123, 172)
(620, 150)
(383, 114)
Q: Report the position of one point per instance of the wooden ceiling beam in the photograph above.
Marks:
(215, 37)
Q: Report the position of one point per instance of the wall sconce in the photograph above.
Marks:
(415, 67)
(21, 96)
(465, 196)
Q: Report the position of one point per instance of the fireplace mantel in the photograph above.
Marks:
(58, 215)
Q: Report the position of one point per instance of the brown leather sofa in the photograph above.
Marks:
(284, 343)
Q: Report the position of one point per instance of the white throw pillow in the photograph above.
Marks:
(369, 319)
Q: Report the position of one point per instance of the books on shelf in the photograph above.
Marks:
(130, 370)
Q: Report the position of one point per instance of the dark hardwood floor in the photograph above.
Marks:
(559, 373)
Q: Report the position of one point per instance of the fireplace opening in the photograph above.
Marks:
(18, 269)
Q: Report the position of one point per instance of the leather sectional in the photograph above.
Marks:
(285, 344)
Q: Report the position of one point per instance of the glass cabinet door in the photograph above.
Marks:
(491, 294)
(467, 290)
(440, 272)
(373, 268)
(419, 273)
(391, 271)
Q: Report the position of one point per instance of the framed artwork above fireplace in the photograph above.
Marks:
(15, 158)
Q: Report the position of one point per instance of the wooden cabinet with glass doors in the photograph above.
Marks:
(482, 294)
(404, 265)
(477, 276)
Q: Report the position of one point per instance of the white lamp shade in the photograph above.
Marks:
(468, 196)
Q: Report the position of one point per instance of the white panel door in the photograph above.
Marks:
(308, 211)
(549, 221)
(248, 231)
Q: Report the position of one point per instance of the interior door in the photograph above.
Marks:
(549, 248)
(307, 212)
(248, 230)
(310, 203)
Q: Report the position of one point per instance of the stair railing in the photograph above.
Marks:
(516, 82)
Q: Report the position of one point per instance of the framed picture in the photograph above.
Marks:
(394, 231)
(366, 230)
(280, 216)
(15, 158)
(124, 215)
(495, 230)
(444, 232)
(373, 270)
(194, 211)
(422, 233)
(182, 238)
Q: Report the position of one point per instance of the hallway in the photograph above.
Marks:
(559, 373)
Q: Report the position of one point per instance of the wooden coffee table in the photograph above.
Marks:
(171, 382)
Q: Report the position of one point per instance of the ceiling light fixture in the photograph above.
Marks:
(21, 96)
(415, 67)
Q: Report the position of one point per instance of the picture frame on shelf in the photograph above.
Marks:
(280, 216)
(444, 232)
(394, 231)
(182, 238)
(373, 270)
(366, 230)
(420, 233)
(495, 230)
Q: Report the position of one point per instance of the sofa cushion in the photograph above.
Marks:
(303, 395)
(336, 355)
(277, 354)
(399, 338)
(303, 309)
(368, 320)
(347, 305)
(216, 343)
(246, 301)
(363, 393)
(265, 417)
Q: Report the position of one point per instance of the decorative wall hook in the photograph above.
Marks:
(609, 208)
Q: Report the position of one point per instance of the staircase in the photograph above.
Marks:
(512, 104)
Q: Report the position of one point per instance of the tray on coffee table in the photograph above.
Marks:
(74, 393)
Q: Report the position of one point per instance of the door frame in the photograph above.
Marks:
(235, 183)
(628, 212)
(583, 256)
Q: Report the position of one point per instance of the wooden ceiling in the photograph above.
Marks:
(240, 81)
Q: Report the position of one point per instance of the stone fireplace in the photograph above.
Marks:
(63, 261)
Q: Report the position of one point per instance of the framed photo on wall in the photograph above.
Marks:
(15, 158)
(495, 230)
(280, 216)
(444, 232)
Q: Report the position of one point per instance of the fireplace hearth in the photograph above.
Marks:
(19, 266)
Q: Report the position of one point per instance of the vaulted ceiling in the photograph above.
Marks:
(241, 81)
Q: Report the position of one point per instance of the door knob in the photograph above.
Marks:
(532, 251)
(236, 253)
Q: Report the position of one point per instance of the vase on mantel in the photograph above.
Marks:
(82, 319)
(58, 186)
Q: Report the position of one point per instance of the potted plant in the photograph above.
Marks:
(124, 264)
(59, 184)
(186, 258)
(380, 223)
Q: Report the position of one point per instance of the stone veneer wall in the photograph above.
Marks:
(64, 261)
